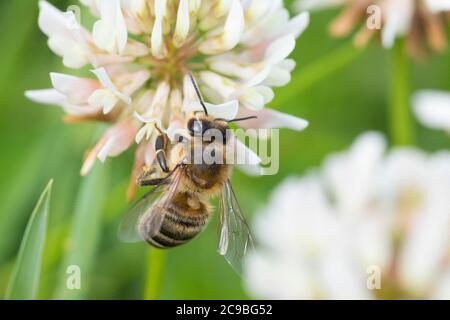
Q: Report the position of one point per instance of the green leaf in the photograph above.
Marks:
(84, 236)
(24, 280)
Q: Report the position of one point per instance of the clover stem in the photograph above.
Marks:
(400, 118)
(156, 260)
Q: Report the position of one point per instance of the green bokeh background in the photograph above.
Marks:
(36, 146)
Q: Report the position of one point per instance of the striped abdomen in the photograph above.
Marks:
(185, 217)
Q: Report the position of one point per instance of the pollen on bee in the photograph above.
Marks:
(193, 203)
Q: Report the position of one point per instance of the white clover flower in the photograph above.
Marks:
(319, 235)
(141, 51)
(422, 22)
(432, 108)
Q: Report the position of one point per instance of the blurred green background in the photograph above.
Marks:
(37, 146)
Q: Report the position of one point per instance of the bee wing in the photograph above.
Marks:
(161, 195)
(235, 236)
(128, 231)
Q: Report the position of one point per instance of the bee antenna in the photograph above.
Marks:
(198, 93)
(242, 119)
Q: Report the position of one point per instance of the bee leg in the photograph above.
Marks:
(158, 172)
(151, 182)
(154, 176)
(161, 145)
(149, 177)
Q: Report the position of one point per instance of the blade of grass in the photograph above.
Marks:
(84, 237)
(155, 260)
(325, 66)
(25, 277)
(400, 118)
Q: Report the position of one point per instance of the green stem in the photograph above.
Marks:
(156, 259)
(325, 66)
(400, 119)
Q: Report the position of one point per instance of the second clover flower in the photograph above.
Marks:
(422, 22)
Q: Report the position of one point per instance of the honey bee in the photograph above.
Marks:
(178, 208)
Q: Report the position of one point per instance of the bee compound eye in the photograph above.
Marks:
(195, 127)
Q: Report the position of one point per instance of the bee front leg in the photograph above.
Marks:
(161, 146)
(154, 175)
(150, 177)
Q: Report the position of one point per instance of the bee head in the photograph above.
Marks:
(208, 129)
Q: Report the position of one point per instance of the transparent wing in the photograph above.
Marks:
(128, 228)
(161, 195)
(235, 236)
